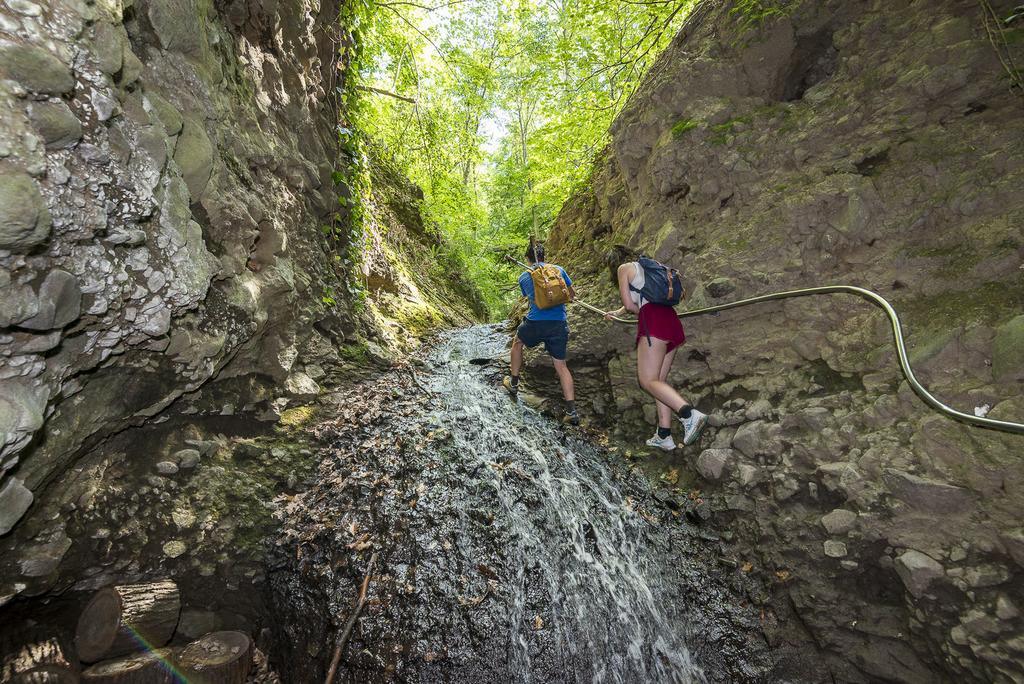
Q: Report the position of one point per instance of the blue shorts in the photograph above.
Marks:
(554, 335)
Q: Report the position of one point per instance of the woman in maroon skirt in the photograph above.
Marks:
(659, 334)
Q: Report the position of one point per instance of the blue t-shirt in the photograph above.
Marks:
(555, 313)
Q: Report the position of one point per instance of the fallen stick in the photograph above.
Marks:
(343, 637)
(416, 379)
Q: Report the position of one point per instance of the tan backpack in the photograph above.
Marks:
(549, 288)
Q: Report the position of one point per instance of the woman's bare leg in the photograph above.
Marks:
(649, 360)
(665, 414)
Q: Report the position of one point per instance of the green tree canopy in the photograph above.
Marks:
(496, 108)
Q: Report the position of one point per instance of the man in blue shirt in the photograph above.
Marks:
(547, 326)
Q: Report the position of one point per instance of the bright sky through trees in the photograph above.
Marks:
(496, 108)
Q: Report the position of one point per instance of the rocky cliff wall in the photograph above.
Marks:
(165, 174)
(871, 143)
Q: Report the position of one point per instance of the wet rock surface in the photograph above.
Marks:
(166, 174)
(508, 549)
(861, 143)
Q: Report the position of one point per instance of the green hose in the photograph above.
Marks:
(897, 332)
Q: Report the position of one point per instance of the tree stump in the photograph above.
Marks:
(46, 674)
(217, 658)
(49, 655)
(125, 619)
(149, 667)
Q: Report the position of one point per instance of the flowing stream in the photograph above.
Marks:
(510, 548)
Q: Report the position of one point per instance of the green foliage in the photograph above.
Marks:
(724, 131)
(496, 109)
(355, 353)
(752, 14)
(351, 177)
(682, 127)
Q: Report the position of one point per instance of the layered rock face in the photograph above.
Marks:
(871, 143)
(165, 177)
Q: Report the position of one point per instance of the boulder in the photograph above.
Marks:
(713, 462)
(834, 549)
(978, 624)
(784, 486)
(758, 410)
(167, 468)
(187, 458)
(986, 576)
(17, 303)
(927, 495)
(1014, 543)
(301, 385)
(57, 124)
(839, 521)
(178, 25)
(756, 438)
(108, 47)
(1005, 610)
(166, 112)
(60, 302)
(41, 560)
(131, 69)
(194, 156)
(747, 474)
(918, 571)
(15, 499)
(36, 69)
(841, 476)
(720, 287)
(738, 502)
(24, 217)
(21, 414)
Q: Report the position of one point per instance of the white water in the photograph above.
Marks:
(571, 530)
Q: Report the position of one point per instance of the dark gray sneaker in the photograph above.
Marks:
(571, 417)
(513, 390)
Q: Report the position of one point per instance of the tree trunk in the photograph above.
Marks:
(45, 674)
(149, 667)
(124, 619)
(31, 652)
(217, 658)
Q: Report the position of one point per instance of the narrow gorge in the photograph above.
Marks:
(251, 351)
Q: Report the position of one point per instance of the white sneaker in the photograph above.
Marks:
(693, 426)
(666, 443)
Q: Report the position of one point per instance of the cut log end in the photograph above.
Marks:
(217, 658)
(98, 625)
(45, 655)
(150, 667)
(125, 619)
(46, 674)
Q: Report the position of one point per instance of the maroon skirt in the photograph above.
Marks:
(660, 322)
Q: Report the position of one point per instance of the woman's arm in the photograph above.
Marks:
(621, 311)
(626, 273)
